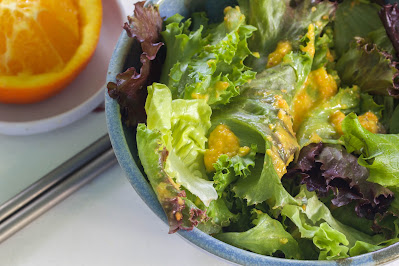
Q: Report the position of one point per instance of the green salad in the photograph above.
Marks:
(273, 129)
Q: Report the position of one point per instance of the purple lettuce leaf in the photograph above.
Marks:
(387, 223)
(326, 168)
(389, 15)
(130, 89)
(305, 167)
(145, 26)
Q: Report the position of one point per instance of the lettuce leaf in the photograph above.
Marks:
(224, 175)
(220, 214)
(261, 116)
(266, 238)
(267, 17)
(379, 153)
(207, 64)
(388, 222)
(394, 123)
(327, 168)
(389, 17)
(374, 198)
(362, 247)
(302, 65)
(347, 215)
(182, 45)
(368, 104)
(130, 87)
(324, 44)
(387, 104)
(282, 20)
(318, 122)
(185, 141)
(229, 169)
(354, 19)
(365, 65)
(263, 185)
(174, 139)
(331, 243)
(315, 221)
(381, 39)
(145, 25)
(153, 156)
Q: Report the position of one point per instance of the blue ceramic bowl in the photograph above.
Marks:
(123, 142)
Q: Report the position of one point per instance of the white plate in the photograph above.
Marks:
(80, 97)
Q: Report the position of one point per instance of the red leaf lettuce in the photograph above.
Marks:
(389, 15)
(130, 87)
(327, 168)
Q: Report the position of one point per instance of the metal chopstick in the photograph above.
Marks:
(52, 178)
(55, 195)
(55, 186)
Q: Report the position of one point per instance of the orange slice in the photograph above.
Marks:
(44, 45)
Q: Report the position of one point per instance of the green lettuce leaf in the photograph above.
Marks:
(220, 214)
(365, 65)
(207, 64)
(381, 39)
(354, 19)
(394, 123)
(153, 156)
(184, 125)
(239, 207)
(388, 107)
(174, 139)
(266, 238)
(368, 104)
(362, 247)
(249, 118)
(302, 64)
(263, 185)
(182, 45)
(229, 169)
(378, 152)
(227, 214)
(224, 175)
(347, 215)
(318, 122)
(323, 45)
(281, 20)
(331, 243)
(267, 17)
(315, 221)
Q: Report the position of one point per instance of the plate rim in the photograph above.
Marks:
(53, 122)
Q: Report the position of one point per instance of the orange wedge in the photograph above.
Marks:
(44, 45)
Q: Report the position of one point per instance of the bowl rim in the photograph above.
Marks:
(195, 236)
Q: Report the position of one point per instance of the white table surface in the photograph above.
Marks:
(104, 223)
